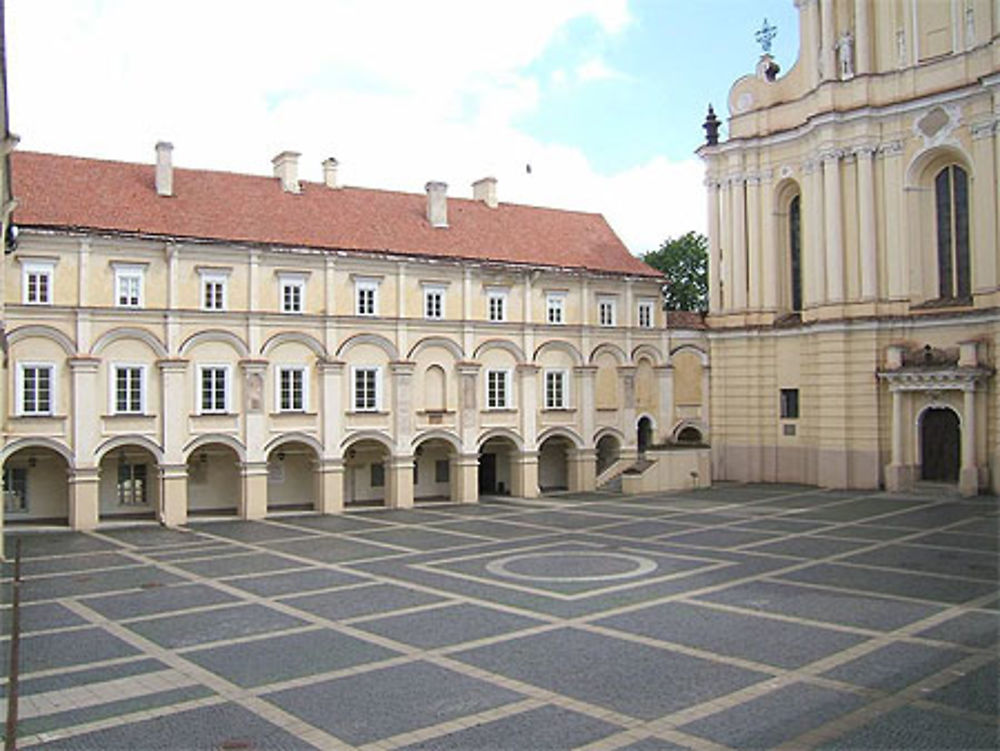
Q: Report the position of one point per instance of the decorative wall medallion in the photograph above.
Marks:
(936, 125)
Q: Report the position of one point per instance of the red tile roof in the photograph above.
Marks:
(75, 193)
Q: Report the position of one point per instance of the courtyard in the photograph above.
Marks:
(742, 616)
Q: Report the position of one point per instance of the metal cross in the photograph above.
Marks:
(766, 35)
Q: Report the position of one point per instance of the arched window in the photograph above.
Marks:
(795, 251)
(951, 198)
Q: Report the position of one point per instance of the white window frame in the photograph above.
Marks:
(434, 310)
(355, 369)
(367, 285)
(113, 388)
(555, 308)
(645, 307)
(228, 385)
(303, 372)
(563, 375)
(500, 297)
(20, 411)
(607, 311)
(215, 277)
(296, 282)
(130, 272)
(506, 380)
(44, 269)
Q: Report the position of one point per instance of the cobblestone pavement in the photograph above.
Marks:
(745, 616)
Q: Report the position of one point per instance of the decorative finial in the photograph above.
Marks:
(711, 126)
(765, 35)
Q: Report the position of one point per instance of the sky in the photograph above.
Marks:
(604, 99)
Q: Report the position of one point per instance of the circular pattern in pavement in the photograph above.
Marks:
(571, 566)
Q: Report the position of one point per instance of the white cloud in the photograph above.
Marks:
(596, 69)
(399, 91)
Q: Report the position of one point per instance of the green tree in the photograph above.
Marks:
(684, 260)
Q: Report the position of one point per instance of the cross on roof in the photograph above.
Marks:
(765, 35)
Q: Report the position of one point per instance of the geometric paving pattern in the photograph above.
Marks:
(740, 616)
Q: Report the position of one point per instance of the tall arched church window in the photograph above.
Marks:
(795, 251)
(951, 195)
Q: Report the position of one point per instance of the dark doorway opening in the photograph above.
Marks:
(645, 434)
(488, 473)
(940, 445)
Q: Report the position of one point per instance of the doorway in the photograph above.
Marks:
(940, 445)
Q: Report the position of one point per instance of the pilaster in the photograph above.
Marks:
(524, 474)
(84, 484)
(173, 509)
(402, 404)
(739, 243)
(253, 500)
(468, 405)
(464, 478)
(85, 403)
(399, 477)
(331, 374)
(834, 219)
(528, 377)
(867, 239)
(582, 470)
(665, 380)
(330, 486)
(626, 374)
(254, 410)
(585, 377)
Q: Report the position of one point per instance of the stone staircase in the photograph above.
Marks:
(613, 483)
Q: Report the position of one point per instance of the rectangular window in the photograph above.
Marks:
(36, 389)
(213, 295)
(37, 283)
(497, 389)
(128, 389)
(555, 308)
(606, 312)
(497, 306)
(441, 471)
(645, 315)
(128, 286)
(365, 389)
(789, 404)
(555, 389)
(378, 475)
(291, 294)
(132, 484)
(433, 303)
(291, 390)
(214, 390)
(366, 295)
(15, 490)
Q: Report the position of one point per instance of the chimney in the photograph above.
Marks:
(437, 203)
(485, 190)
(164, 169)
(286, 168)
(330, 173)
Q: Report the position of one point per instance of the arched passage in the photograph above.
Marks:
(432, 470)
(36, 485)
(940, 445)
(644, 434)
(553, 463)
(366, 473)
(292, 477)
(214, 485)
(496, 465)
(608, 451)
(129, 484)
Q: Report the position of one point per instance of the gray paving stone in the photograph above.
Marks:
(403, 516)
(919, 586)
(203, 729)
(84, 583)
(245, 531)
(709, 519)
(635, 679)
(645, 529)
(775, 718)
(155, 601)
(912, 728)
(332, 549)
(337, 523)
(719, 538)
(801, 601)
(965, 563)
(765, 640)
(546, 727)
(49, 651)
(894, 667)
(975, 691)
(808, 546)
(419, 539)
(935, 516)
(492, 528)
(151, 535)
(74, 564)
(865, 508)
(190, 629)
(75, 676)
(358, 601)
(280, 658)
(563, 520)
(629, 509)
(653, 744)
(781, 524)
(447, 625)
(989, 526)
(871, 532)
(37, 544)
(236, 565)
(185, 552)
(40, 617)
(972, 629)
(275, 585)
(382, 703)
(965, 541)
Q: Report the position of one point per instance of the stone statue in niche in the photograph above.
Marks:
(845, 55)
(255, 392)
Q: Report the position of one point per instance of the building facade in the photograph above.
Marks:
(854, 299)
(184, 341)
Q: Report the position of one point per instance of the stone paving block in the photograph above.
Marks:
(483, 508)
(358, 601)
(895, 666)
(492, 528)
(40, 617)
(332, 549)
(152, 535)
(155, 601)
(563, 520)
(547, 727)
(912, 728)
(772, 642)
(865, 508)
(652, 744)
(965, 541)
(935, 516)
(219, 726)
(335, 523)
(635, 679)
(275, 585)
(284, 657)
(418, 539)
(775, 718)
(870, 532)
(628, 509)
(230, 622)
(808, 546)
(800, 601)
(74, 564)
(988, 526)
(645, 529)
(728, 516)
(382, 703)
(49, 651)
(181, 553)
(237, 565)
(403, 516)
(976, 691)
(38, 544)
(447, 625)
(972, 629)
(781, 525)
(84, 583)
(919, 586)
(245, 531)
(719, 538)
(965, 563)
(75, 677)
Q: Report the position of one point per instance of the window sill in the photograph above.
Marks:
(498, 410)
(944, 302)
(39, 416)
(435, 412)
(127, 415)
(563, 410)
(293, 413)
(375, 412)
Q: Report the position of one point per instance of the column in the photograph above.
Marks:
(897, 272)
(467, 330)
(84, 505)
(399, 478)
(330, 303)
(755, 252)
(814, 253)
(402, 331)
(665, 379)
(253, 302)
(770, 247)
(968, 478)
(330, 490)
(527, 330)
(828, 40)
(524, 474)
(528, 403)
(739, 243)
(984, 198)
(862, 37)
(585, 376)
(253, 471)
(726, 246)
(82, 283)
(253, 502)
(585, 340)
(867, 240)
(582, 469)
(331, 373)
(895, 473)
(714, 288)
(834, 227)
(464, 469)
(173, 418)
(173, 326)
(85, 398)
(706, 399)
(468, 406)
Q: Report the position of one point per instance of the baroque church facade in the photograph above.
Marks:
(853, 229)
